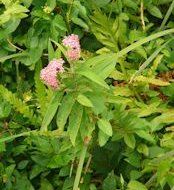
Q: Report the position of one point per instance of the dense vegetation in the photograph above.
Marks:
(109, 123)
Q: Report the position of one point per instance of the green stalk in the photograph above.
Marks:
(2, 140)
(18, 78)
(2, 59)
(80, 167)
(167, 16)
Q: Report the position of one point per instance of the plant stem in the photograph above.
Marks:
(167, 16)
(142, 14)
(16, 136)
(80, 167)
(17, 77)
(2, 59)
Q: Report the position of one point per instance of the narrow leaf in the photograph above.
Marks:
(75, 121)
(93, 77)
(52, 108)
(64, 110)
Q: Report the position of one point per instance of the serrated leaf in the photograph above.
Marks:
(75, 121)
(122, 91)
(64, 110)
(105, 126)
(157, 82)
(129, 139)
(83, 100)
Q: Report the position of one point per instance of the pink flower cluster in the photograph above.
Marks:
(72, 43)
(49, 73)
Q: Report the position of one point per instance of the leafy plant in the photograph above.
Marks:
(109, 122)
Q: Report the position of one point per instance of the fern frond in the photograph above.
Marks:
(102, 28)
(40, 90)
(110, 32)
(126, 122)
(18, 104)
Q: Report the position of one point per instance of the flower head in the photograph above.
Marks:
(49, 73)
(73, 54)
(73, 47)
(71, 41)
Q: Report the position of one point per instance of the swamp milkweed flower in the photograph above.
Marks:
(49, 73)
(72, 44)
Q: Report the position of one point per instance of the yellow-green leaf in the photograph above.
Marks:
(83, 100)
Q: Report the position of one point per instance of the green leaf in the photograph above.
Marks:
(155, 11)
(79, 22)
(102, 3)
(51, 4)
(59, 23)
(64, 110)
(5, 109)
(46, 185)
(102, 138)
(83, 100)
(145, 135)
(163, 169)
(122, 91)
(129, 139)
(9, 170)
(35, 171)
(50, 51)
(93, 77)
(134, 185)
(52, 108)
(75, 121)
(105, 126)
(157, 82)
(143, 148)
(110, 182)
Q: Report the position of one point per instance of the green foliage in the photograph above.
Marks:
(109, 125)
(19, 105)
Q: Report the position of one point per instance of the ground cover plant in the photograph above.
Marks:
(86, 95)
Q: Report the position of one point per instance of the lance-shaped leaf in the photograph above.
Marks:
(52, 108)
(64, 110)
(75, 121)
(93, 77)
